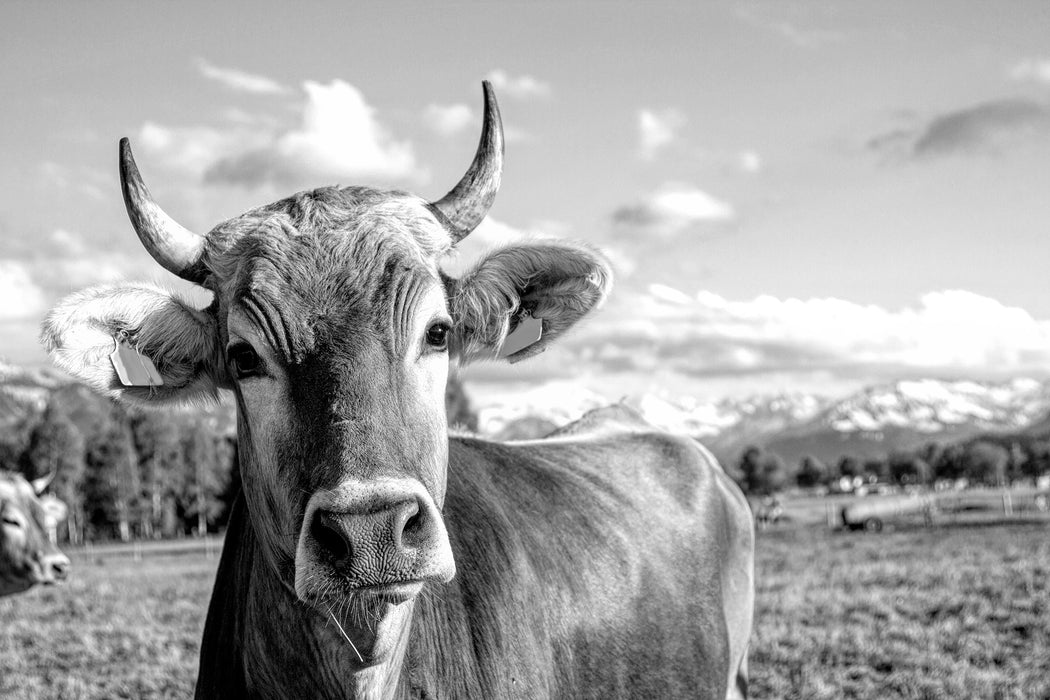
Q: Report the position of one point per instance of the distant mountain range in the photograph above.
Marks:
(873, 422)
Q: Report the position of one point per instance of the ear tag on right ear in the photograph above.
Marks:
(528, 331)
(132, 367)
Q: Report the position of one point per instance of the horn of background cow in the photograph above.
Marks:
(176, 248)
(467, 203)
(40, 484)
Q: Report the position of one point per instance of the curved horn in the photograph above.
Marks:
(176, 248)
(467, 203)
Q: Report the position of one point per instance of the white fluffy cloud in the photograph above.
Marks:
(519, 87)
(673, 208)
(946, 331)
(447, 120)
(20, 297)
(750, 162)
(657, 130)
(1035, 69)
(239, 80)
(339, 139)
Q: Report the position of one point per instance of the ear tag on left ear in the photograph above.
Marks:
(528, 331)
(132, 367)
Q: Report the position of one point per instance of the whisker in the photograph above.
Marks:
(345, 636)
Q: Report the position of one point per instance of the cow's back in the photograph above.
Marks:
(598, 564)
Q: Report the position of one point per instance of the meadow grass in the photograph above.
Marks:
(947, 612)
(118, 628)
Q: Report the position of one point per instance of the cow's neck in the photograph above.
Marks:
(277, 619)
(288, 649)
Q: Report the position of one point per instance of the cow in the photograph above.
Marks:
(371, 553)
(27, 555)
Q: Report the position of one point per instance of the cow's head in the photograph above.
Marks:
(27, 556)
(334, 326)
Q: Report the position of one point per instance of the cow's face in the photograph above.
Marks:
(27, 557)
(334, 327)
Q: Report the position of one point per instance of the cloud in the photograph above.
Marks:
(447, 120)
(83, 179)
(946, 331)
(1032, 69)
(657, 130)
(750, 162)
(239, 80)
(20, 297)
(985, 128)
(339, 138)
(192, 150)
(521, 87)
(672, 209)
(804, 37)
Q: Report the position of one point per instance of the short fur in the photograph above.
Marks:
(617, 566)
(27, 557)
(611, 565)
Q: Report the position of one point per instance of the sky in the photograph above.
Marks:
(796, 196)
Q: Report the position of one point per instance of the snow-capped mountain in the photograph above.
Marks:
(559, 403)
(872, 422)
(931, 406)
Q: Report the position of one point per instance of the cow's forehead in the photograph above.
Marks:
(343, 227)
(15, 489)
(332, 259)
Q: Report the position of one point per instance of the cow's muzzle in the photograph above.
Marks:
(54, 568)
(386, 537)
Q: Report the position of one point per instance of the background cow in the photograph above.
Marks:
(27, 555)
(372, 555)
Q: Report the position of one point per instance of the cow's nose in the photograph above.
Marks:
(56, 567)
(383, 543)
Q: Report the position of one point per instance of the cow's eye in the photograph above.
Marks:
(245, 360)
(12, 522)
(437, 335)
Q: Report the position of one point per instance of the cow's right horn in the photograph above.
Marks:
(176, 248)
(468, 202)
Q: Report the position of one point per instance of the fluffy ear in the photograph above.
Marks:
(182, 342)
(556, 282)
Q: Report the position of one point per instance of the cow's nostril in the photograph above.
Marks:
(60, 568)
(408, 524)
(329, 538)
(414, 522)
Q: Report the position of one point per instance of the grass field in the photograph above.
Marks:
(948, 612)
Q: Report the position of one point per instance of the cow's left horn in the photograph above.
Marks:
(176, 248)
(466, 205)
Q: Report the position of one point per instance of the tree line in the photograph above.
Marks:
(990, 461)
(126, 472)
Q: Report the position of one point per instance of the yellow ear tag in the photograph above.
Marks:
(528, 331)
(132, 367)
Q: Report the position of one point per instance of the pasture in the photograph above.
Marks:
(946, 612)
